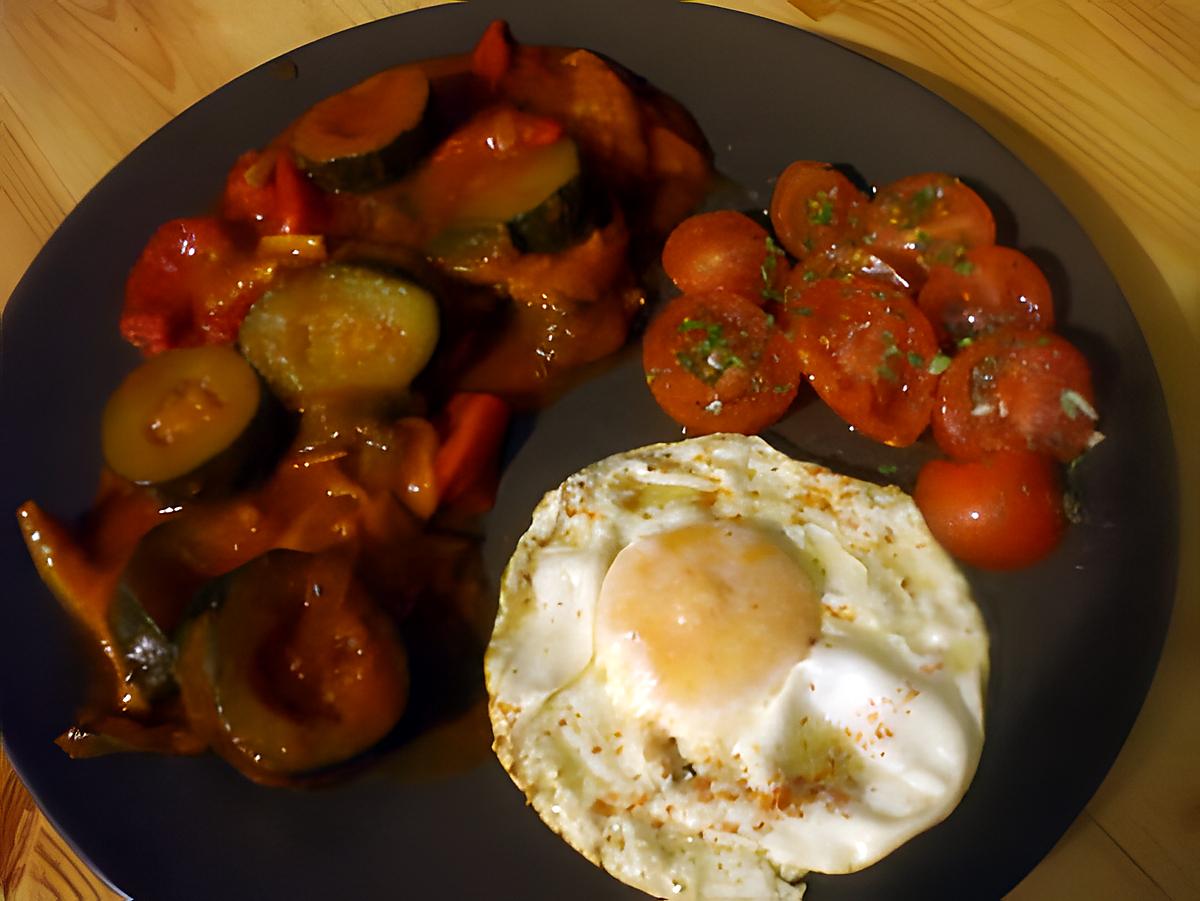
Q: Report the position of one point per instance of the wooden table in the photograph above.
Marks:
(1100, 97)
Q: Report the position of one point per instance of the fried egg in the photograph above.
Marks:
(715, 668)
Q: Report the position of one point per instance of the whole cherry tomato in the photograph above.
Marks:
(1002, 512)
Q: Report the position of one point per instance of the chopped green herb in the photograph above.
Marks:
(1073, 507)
(769, 266)
(711, 355)
(951, 254)
(888, 469)
(810, 275)
(922, 239)
(883, 370)
(939, 364)
(820, 209)
(915, 360)
(879, 295)
(921, 201)
(966, 342)
(1073, 403)
(1043, 341)
(802, 311)
(782, 389)
(888, 337)
(868, 239)
(770, 320)
(964, 267)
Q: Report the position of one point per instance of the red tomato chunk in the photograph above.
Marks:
(1002, 512)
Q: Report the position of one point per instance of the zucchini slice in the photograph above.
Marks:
(542, 197)
(560, 221)
(147, 653)
(291, 668)
(342, 332)
(367, 135)
(193, 422)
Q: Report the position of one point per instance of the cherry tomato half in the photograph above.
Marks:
(725, 250)
(991, 287)
(1016, 390)
(814, 207)
(1002, 512)
(716, 363)
(925, 219)
(867, 351)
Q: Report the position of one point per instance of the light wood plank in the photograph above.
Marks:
(1087, 863)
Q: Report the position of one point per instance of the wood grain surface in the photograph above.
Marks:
(1100, 97)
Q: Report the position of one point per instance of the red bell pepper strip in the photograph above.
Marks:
(492, 56)
(472, 428)
(299, 205)
(268, 191)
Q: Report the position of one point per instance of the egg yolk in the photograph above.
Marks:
(703, 618)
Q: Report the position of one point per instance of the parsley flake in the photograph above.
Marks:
(939, 364)
(708, 357)
(1073, 403)
(769, 266)
(964, 267)
(820, 209)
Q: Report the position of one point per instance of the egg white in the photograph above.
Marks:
(872, 738)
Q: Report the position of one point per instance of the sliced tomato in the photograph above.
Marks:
(716, 363)
(867, 351)
(814, 207)
(191, 285)
(1002, 512)
(926, 219)
(1016, 390)
(990, 287)
(726, 250)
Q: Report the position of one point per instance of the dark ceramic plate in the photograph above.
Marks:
(1071, 665)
